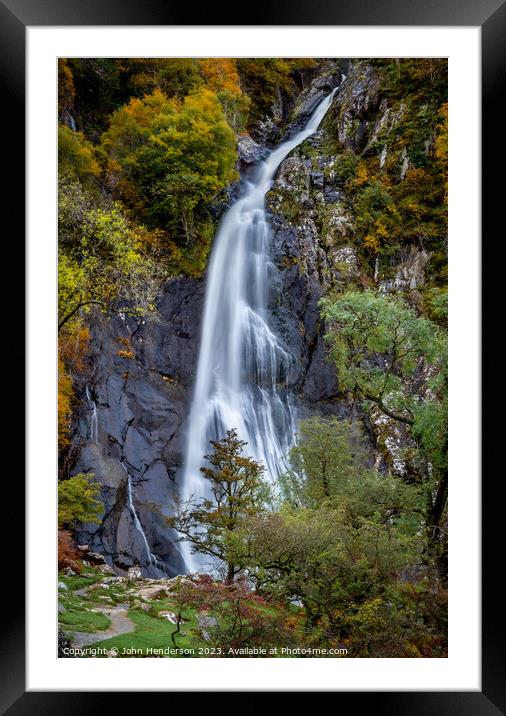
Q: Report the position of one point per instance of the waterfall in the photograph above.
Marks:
(152, 558)
(94, 417)
(242, 365)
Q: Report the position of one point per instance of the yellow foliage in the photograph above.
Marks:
(371, 242)
(66, 89)
(362, 176)
(221, 73)
(76, 155)
(65, 397)
(441, 145)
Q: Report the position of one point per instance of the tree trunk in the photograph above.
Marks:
(230, 574)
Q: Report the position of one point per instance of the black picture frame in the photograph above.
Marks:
(490, 15)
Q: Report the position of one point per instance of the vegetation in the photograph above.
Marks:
(77, 501)
(236, 491)
(396, 361)
(349, 553)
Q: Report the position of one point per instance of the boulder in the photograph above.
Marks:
(249, 151)
(134, 574)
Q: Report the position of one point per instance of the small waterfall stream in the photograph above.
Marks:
(242, 365)
(94, 417)
(152, 559)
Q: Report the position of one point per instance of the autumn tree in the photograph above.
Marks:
(168, 159)
(336, 557)
(236, 490)
(102, 257)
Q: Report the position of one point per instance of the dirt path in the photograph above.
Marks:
(120, 624)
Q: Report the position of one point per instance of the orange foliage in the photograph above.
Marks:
(74, 346)
(221, 73)
(66, 89)
(68, 556)
(65, 397)
(72, 351)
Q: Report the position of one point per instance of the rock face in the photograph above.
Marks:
(142, 376)
(140, 387)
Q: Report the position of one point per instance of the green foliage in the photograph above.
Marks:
(396, 362)
(330, 464)
(77, 501)
(332, 558)
(328, 451)
(76, 155)
(266, 79)
(171, 158)
(376, 342)
(102, 257)
(423, 79)
(173, 76)
(236, 491)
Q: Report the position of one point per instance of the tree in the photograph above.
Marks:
(335, 558)
(236, 491)
(168, 159)
(393, 359)
(230, 616)
(328, 451)
(65, 397)
(76, 155)
(77, 501)
(102, 257)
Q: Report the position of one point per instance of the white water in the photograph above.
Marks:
(152, 558)
(242, 366)
(94, 417)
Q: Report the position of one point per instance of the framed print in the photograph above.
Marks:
(254, 389)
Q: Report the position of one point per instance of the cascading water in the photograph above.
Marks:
(152, 558)
(242, 366)
(94, 417)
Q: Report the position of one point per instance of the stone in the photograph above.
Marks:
(69, 572)
(113, 580)
(63, 646)
(105, 569)
(62, 586)
(95, 558)
(169, 616)
(317, 179)
(250, 151)
(61, 608)
(152, 592)
(134, 574)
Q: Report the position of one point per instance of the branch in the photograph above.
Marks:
(80, 305)
(391, 413)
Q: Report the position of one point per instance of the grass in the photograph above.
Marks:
(151, 632)
(78, 581)
(73, 620)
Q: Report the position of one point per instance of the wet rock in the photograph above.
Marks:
(250, 151)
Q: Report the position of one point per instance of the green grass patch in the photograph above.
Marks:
(151, 632)
(83, 620)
